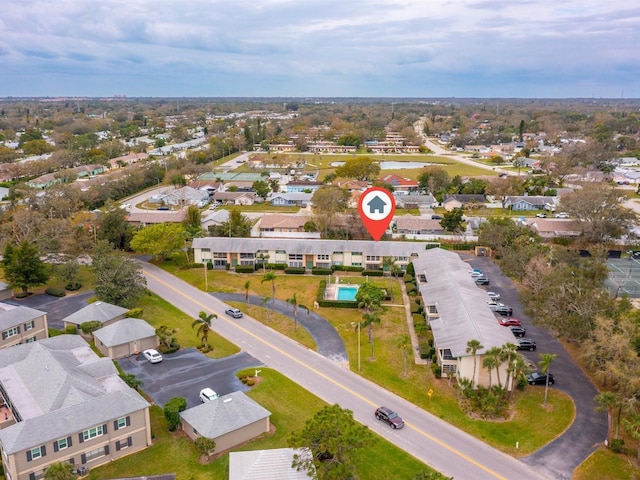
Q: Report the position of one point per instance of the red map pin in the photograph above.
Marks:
(376, 207)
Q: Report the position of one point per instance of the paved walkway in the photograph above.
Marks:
(328, 341)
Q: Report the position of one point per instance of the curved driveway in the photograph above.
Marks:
(426, 437)
(328, 342)
(559, 458)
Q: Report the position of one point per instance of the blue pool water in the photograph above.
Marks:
(347, 293)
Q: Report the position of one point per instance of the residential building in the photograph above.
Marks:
(272, 464)
(125, 160)
(330, 147)
(62, 403)
(230, 420)
(302, 186)
(528, 202)
(125, 337)
(235, 198)
(401, 186)
(222, 251)
(103, 312)
(20, 324)
(451, 201)
(290, 199)
(142, 219)
(282, 223)
(415, 201)
(412, 225)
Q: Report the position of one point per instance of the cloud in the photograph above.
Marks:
(329, 47)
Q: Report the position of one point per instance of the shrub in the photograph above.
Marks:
(72, 287)
(408, 278)
(347, 268)
(437, 370)
(70, 329)
(372, 273)
(617, 445)
(338, 303)
(295, 270)
(55, 292)
(415, 308)
(134, 313)
(90, 327)
(321, 271)
(417, 319)
(411, 270)
(54, 332)
(276, 266)
(165, 350)
(411, 289)
(172, 411)
(244, 269)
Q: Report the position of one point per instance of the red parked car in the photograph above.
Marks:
(509, 322)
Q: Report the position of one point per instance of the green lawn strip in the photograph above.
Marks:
(606, 465)
(387, 368)
(159, 312)
(291, 406)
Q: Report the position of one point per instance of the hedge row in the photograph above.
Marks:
(275, 266)
(244, 269)
(346, 268)
(372, 273)
(321, 271)
(295, 270)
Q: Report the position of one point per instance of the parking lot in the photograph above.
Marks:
(185, 372)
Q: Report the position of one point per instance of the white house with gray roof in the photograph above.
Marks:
(457, 311)
(103, 312)
(125, 337)
(19, 324)
(62, 403)
(229, 420)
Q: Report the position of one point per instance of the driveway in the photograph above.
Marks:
(185, 372)
(328, 342)
(559, 458)
(56, 308)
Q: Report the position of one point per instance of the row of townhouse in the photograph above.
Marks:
(62, 403)
(311, 253)
(19, 324)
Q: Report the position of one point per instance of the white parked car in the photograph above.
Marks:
(561, 215)
(152, 355)
(494, 296)
(206, 395)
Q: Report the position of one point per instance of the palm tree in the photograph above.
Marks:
(60, 471)
(545, 364)
(402, 342)
(508, 353)
(472, 347)
(632, 427)
(263, 257)
(518, 367)
(203, 322)
(270, 277)
(608, 402)
(247, 284)
(389, 265)
(495, 353)
(368, 319)
(131, 380)
(489, 362)
(293, 301)
(265, 303)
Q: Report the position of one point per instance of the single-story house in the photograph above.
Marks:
(528, 203)
(235, 198)
(103, 312)
(412, 225)
(302, 186)
(415, 201)
(272, 464)
(125, 337)
(19, 324)
(451, 201)
(125, 160)
(401, 186)
(215, 218)
(554, 227)
(229, 420)
(186, 196)
(301, 199)
(282, 223)
(153, 217)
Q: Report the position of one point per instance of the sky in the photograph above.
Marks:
(314, 48)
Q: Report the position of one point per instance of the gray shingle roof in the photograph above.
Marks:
(224, 414)
(99, 311)
(462, 306)
(11, 315)
(60, 387)
(273, 464)
(124, 331)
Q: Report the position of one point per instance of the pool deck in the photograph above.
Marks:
(331, 290)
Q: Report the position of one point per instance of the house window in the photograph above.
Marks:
(30, 340)
(295, 260)
(36, 453)
(96, 453)
(246, 255)
(29, 325)
(373, 258)
(12, 332)
(122, 444)
(219, 255)
(93, 432)
(122, 422)
(356, 253)
(62, 444)
(323, 257)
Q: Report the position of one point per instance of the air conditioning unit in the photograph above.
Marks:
(83, 470)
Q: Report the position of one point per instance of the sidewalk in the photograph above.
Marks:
(412, 332)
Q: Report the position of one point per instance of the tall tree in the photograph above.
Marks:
(600, 211)
(472, 347)
(192, 223)
(159, 240)
(247, 284)
(334, 438)
(608, 402)
(23, 268)
(360, 168)
(203, 324)
(270, 277)
(495, 354)
(293, 301)
(452, 220)
(328, 202)
(368, 319)
(118, 279)
(402, 342)
(545, 364)
(112, 225)
(237, 225)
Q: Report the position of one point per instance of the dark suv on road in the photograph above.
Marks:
(389, 417)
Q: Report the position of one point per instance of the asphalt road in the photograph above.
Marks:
(426, 437)
(559, 458)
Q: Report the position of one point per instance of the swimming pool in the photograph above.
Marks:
(346, 293)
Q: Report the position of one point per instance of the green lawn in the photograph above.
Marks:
(387, 368)
(606, 465)
(291, 406)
